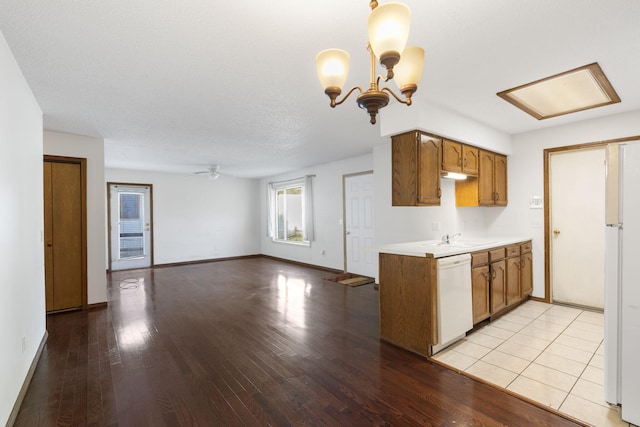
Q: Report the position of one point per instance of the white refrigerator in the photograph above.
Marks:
(622, 280)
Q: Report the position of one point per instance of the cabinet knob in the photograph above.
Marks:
(556, 232)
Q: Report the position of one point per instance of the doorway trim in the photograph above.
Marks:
(344, 211)
(109, 184)
(547, 202)
(83, 215)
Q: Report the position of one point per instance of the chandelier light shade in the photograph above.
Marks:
(408, 72)
(388, 33)
(333, 68)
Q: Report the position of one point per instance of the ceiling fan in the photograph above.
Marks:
(213, 171)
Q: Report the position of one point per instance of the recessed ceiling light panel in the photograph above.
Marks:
(576, 90)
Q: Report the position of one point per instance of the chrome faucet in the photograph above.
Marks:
(446, 239)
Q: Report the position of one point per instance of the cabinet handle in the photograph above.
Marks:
(493, 274)
(439, 192)
(522, 264)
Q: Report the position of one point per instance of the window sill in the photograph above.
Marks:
(288, 242)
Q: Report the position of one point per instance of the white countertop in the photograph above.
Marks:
(437, 249)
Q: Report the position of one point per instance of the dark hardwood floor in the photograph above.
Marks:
(247, 342)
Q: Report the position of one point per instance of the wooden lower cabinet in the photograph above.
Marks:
(526, 274)
(480, 293)
(498, 286)
(408, 292)
(407, 295)
(513, 280)
(500, 277)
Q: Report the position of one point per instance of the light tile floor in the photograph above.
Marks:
(549, 353)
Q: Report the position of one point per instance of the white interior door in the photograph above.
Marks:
(130, 227)
(577, 186)
(359, 225)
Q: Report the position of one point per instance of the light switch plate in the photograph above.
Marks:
(536, 202)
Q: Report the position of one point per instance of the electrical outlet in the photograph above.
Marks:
(24, 344)
(435, 226)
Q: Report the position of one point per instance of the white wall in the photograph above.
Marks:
(22, 305)
(328, 212)
(195, 218)
(397, 118)
(526, 177)
(92, 149)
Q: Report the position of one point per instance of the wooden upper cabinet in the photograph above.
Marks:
(451, 156)
(500, 180)
(417, 159)
(460, 158)
(485, 178)
(415, 169)
(490, 187)
(469, 160)
(429, 170)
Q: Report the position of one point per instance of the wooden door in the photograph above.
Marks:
(526, 274)
(498, 293)
(451, 156)
(469, 160)
(513, 280)
(480, 293)
(429, 152)
(500, 180)
(485, 178)
(64, 233)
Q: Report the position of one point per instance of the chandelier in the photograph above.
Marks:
(388, 33)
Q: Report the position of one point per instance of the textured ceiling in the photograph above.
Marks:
(176, 86)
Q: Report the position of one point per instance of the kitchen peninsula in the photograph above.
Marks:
(414, 303)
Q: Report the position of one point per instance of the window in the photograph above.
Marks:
(290, 211)
(289, 216)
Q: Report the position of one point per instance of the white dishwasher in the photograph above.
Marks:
(454, 302)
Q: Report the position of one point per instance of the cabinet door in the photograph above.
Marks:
(485, 178)
(500, 180)
(526, 274)
(480, 293)
(429, 151)
(404, 169)
(513, 280)
(498, 292)
(469, 160)
(451, 156)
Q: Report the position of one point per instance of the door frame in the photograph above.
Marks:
(344, 211)
(109, 184)
(547, 202)
(83, 208)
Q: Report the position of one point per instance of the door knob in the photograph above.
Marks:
(556, 232)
